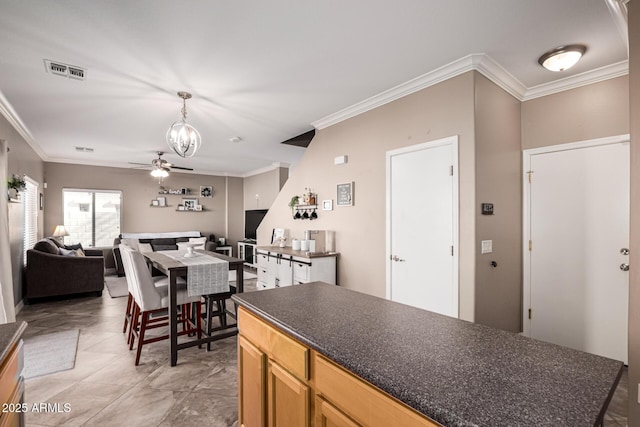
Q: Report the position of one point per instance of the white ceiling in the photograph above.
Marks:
(263, 70)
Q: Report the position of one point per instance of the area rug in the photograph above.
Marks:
(116, 286)
(51, 353)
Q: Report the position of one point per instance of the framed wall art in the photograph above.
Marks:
(344, 195)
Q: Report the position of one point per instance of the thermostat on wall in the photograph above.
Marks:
(487, 209)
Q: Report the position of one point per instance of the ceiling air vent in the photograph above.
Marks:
(84, 149)
(65, 70)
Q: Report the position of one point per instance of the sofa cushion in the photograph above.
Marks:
(73, 247)
(46, 246)
(67, 252)
(163, 244)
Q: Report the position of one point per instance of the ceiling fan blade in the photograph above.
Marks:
(141, 164)
(179, 167)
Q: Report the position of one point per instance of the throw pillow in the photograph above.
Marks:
(79, 252)
(200, 240)
(145, 247)
(66, 252)
(132, 243)
(73, 247)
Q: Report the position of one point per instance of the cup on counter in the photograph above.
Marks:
(295, 244)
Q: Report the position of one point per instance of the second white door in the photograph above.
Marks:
(576, 285)
(422, 201)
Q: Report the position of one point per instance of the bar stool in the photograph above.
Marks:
(151, 299)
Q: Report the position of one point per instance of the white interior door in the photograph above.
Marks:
(578, 201)
(422, 224)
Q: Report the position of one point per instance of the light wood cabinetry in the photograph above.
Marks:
(280, 378)
(12, 387)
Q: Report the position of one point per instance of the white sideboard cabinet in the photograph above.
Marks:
(279, 267)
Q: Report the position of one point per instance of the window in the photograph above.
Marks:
(91, 218)
(30, 200)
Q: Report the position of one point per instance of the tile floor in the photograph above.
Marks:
(106, 389)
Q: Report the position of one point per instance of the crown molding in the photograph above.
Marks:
(12, 117)
(438, 75)
(489, 68)
(582, 79)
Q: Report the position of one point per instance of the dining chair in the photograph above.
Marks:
(152, 300)
(220, 301)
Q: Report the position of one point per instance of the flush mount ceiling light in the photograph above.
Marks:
(562, 58)
(183, 138)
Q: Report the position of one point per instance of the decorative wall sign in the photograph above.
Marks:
(327, 205)
(189, 204)
(345, 194)
(206, 191)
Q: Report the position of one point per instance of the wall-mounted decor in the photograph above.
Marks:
(327, 205)
(206, 191)
(162, 201)
(345, 194)
(189, 204)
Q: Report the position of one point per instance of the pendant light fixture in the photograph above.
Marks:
(183, 138)
(562, 58)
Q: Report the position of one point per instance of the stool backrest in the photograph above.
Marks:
(148, 297)
(128, 270)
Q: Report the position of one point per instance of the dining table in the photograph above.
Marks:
(173, 268)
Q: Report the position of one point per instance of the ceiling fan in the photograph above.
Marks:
(160, 168)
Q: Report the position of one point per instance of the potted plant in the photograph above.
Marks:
(293, 203)
(15, 184)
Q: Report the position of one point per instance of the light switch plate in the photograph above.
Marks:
(487, 246)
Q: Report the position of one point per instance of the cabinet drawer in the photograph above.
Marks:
(263, 259)
(361, 401)
(301, 272)
(290, 354)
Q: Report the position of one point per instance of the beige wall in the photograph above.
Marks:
(138, 189)
(498, 291)
(235, 220)
(261, 190)
(634, 256)
(22, 161)
(440, 111)
(588, 112)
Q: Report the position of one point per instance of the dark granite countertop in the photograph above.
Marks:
(10, 333)
(455, 372)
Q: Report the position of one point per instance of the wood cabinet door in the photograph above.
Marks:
(328, 415)
(288, 401)
(251, 385)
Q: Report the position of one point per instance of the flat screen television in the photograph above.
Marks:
(252, 220)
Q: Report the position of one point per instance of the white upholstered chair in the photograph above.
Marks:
(152, 299)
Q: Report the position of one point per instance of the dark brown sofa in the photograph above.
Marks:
(51, 274)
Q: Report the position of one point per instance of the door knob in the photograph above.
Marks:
(624, 267)
(396, 258)
(624, 251)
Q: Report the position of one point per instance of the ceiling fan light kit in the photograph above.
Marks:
(183, 138)
(563, 57)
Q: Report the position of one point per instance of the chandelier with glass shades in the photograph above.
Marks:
(183, 138)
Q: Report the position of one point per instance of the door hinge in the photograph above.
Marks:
(451, 250)
(530, 245)
(529, 313)
(529, 175)
(451, 170)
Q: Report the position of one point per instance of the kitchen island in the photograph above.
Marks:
(339, 357)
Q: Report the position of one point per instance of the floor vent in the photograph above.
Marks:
(65, 70)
